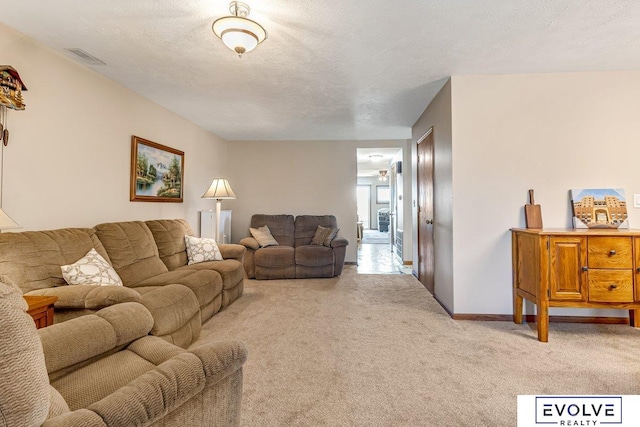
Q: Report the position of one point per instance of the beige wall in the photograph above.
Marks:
(68, 160)
(549, 132)
(297, 177)
(438, 116)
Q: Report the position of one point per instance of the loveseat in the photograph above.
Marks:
(104, 370)
(150, 259)
(291, 254)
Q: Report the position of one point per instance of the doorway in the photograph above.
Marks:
(379, 187)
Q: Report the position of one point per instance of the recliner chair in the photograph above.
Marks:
(103, 369)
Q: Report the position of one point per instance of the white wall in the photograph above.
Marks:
(297, 177)
(438, 116)
(68, 160)
(549, 132)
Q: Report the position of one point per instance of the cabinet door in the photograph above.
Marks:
(567, 279)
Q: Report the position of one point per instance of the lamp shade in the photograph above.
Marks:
(219, 189)
(6, 222)
(239, 34)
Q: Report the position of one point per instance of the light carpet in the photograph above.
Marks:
(378, 350)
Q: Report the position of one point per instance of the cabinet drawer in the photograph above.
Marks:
(611, 285)
(609, 252)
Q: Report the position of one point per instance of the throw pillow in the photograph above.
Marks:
(263, 236)
(324, 235)
(92, 269)
(201, 249)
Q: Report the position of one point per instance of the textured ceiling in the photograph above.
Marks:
(330, 69)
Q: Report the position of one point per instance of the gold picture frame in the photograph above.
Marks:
(157, 172)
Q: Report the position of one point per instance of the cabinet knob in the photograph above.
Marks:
(612, 252)
(613, 286)
(585, 268)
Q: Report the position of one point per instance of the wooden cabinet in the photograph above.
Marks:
(41, 309)
(591, 268)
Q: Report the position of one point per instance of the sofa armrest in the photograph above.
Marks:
(232, 251)
(92, 297)
(220, 359)
(160, 391)
(338, 242)
(77, 340)
(250, 243)
(79, 417)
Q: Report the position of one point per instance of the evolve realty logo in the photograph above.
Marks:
(578, 410)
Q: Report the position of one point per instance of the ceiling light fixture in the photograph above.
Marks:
(383, 176)
(375, 157)
(237, 32)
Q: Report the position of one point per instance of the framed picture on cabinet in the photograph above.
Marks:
(599, 208)
(157, 172)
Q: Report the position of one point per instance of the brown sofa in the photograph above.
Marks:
(150, 258)
(294, 256)
(104, 370)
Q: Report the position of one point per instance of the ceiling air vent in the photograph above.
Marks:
(85, 57)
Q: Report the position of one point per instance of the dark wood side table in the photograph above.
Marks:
(41, 309)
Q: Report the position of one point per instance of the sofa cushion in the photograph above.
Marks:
(171, 306)
(263, 236)
(314, 256)
(306, 226)
(169, 237)
(32, 259)
(281, 227)
(91, 269)
(275, 256)
(230, 269)
(205, 284)
(132, 250)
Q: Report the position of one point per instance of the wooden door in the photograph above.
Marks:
(393, 207)
(425, 210)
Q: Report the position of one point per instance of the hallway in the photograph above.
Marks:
(376, 257)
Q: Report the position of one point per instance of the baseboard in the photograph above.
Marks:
(408, 263)
(350, 263)
(530, 318)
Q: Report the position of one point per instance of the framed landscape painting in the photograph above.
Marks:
(157, 172)
(599, 208)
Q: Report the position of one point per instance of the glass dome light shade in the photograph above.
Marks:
(239, 34)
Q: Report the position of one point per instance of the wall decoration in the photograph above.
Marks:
(382, 194)
(11, 87)
(599, 208)
(157, 172)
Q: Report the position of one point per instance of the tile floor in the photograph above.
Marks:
(377, 258)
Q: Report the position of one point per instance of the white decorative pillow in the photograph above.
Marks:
(201, 249)
(92, 269)
(263, 236)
